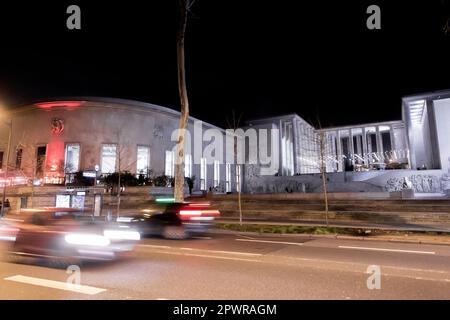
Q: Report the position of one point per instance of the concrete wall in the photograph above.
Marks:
(442, 115)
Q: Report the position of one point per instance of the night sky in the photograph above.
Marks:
(266, 58)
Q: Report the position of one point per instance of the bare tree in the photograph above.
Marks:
(122, 165)
(29, 163)
(234, 124)
(185, 6)
(315, 157)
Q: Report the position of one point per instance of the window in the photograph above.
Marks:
(238, 178)
(1, 159)
(188, 165)
(203, 174)
(170, 164)
(109, 154)
(72, 158)
(143, 160)
(40, 160)
(62, 201)
(228, 177)
(19, 154)
(216, 173)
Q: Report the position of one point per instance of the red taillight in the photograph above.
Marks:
(189, 213)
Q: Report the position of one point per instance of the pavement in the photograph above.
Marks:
(246, 266)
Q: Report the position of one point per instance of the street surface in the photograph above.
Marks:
(239, 266)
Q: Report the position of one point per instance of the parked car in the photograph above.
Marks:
(65, 238)
(172, 220)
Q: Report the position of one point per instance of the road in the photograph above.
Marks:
(239, 266)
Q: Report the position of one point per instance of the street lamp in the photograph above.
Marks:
(5, 172)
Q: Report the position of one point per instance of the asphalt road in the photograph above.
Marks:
(237, 266)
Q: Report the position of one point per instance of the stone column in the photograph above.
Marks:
(280, 169)
(295, 135)
(391, 131)
(379, 142)
(358, 147)
(339, 151)
(364, 147)
(351, 146)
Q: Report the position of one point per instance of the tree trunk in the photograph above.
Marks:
(118, 193)
(323, 171)
(179, 157)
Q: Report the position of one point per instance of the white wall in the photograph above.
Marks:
(442, 115)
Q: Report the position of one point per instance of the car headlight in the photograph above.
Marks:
(122, 234)
(87, 239)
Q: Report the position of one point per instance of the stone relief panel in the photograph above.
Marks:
(420, 183)
(269, 184)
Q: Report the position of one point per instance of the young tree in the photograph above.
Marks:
(185, 6)
(234, 124)
(123, 164)
(29, 163)
(315, 155)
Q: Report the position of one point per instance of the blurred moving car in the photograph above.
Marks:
(66, 238)
(172, 220)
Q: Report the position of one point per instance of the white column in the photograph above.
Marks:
(351, 146)
(339, 150)
(364, 147)
(379, 143)
(391, 131)
(296, 138)
(280, 170)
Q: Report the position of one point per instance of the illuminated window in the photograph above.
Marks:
(19, 154)
(228, 177)
(109, 155)
(203, 174)
(40, 160)
(170, 164)
(143, 160)
(62, 201)
(238, 178)
(188, 165)
(72, 158)
(216, 173)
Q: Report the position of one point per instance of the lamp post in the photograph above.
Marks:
(5, 172)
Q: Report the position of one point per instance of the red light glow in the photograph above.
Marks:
(67, 104)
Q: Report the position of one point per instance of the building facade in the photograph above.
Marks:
(53, 140)
(420, 140)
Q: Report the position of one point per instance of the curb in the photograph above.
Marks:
(328, 236)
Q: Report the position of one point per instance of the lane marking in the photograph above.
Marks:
(153, 246)
(201, 250)
(225, 252)
(270, 241)
(208, 256)
(201, 237)
(387, 250)
(56, 284)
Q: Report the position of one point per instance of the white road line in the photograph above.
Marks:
(270, 241)
(209, 256)
(225, 252)
(153, 246)
(387, 250)
(201, 250)
(56, 284)
(205, 238)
